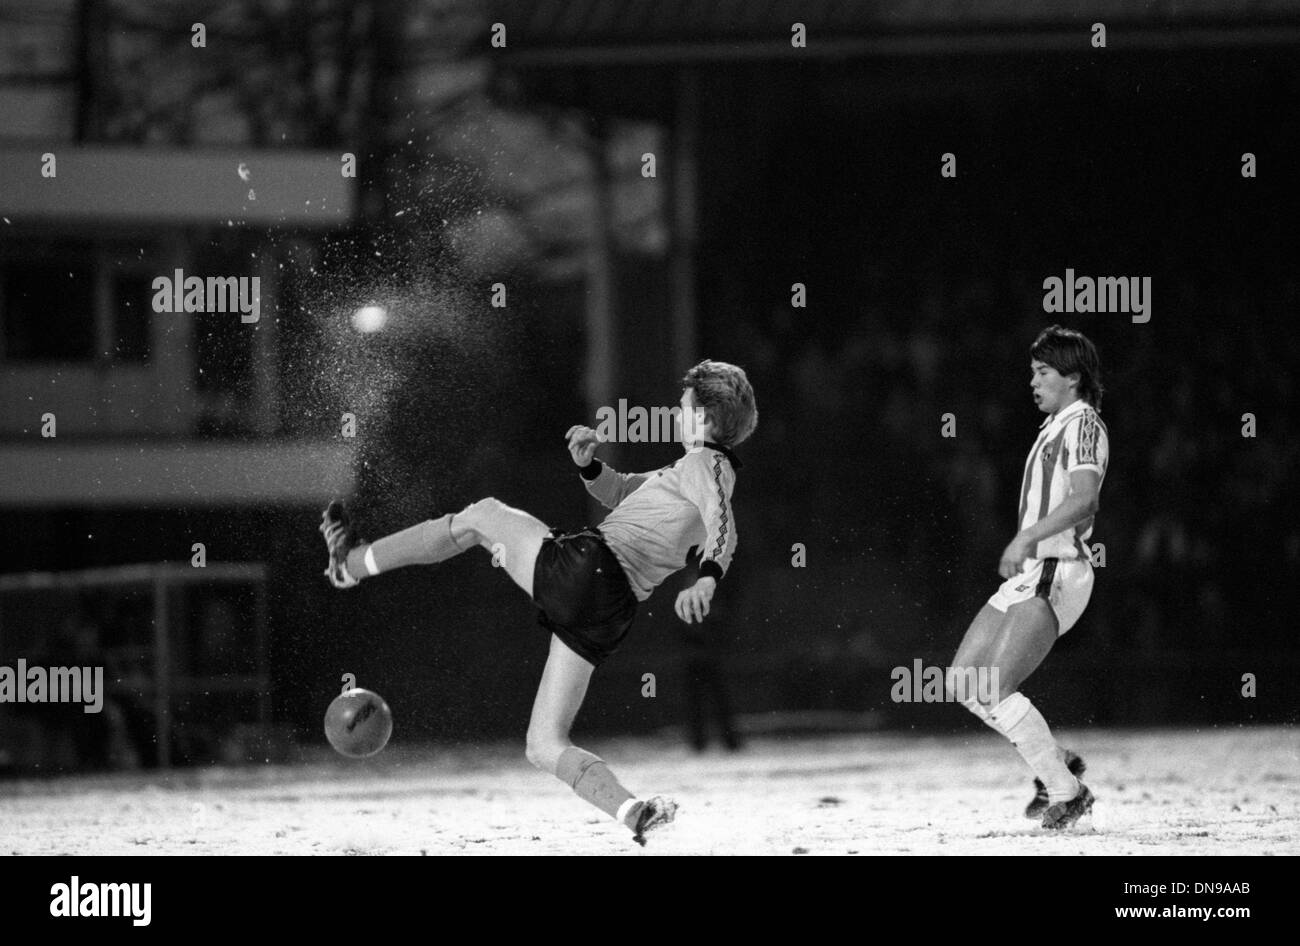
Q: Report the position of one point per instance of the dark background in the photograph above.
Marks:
(924, 296)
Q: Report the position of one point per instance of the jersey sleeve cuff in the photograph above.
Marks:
(591, 471)
(710, 569)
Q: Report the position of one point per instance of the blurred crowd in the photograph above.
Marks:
(1197, 520)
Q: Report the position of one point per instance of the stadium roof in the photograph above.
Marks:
(608, 32)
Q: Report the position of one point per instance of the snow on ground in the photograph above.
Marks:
(1226, 791)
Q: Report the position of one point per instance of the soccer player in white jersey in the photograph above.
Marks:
(1047, 570)
(587, 583)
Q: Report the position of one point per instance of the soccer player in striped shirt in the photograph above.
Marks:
(587, 583)
(1047, 569)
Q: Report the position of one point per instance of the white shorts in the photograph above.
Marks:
(1064, 583)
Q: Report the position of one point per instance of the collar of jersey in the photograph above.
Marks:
(1065, 414)
(735, 460)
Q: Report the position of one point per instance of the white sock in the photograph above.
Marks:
(976, 707)
(1018, 720)
(624, 808)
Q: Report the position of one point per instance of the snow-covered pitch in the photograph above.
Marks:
(1222, 791)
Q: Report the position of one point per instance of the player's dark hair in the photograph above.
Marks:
(1070, 352)
(724, 393)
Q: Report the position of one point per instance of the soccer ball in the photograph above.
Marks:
(358, 723)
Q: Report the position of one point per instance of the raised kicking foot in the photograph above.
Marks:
(1064, 814)
(340, 538)
(652, 814)
(1039, 804)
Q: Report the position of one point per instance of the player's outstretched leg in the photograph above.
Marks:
(511, 535)
(559, 697)
(1014, 645)
(1025, 638)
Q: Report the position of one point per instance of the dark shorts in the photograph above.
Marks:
(583, 593)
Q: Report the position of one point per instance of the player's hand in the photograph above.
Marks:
(693, 603)
(583, 442)
(1013, 557)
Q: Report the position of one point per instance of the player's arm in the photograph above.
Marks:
(1079, 506)
(608, 486)
(710, 492)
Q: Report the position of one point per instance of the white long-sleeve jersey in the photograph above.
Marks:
(657, 517)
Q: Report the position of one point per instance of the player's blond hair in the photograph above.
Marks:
(725, 395)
